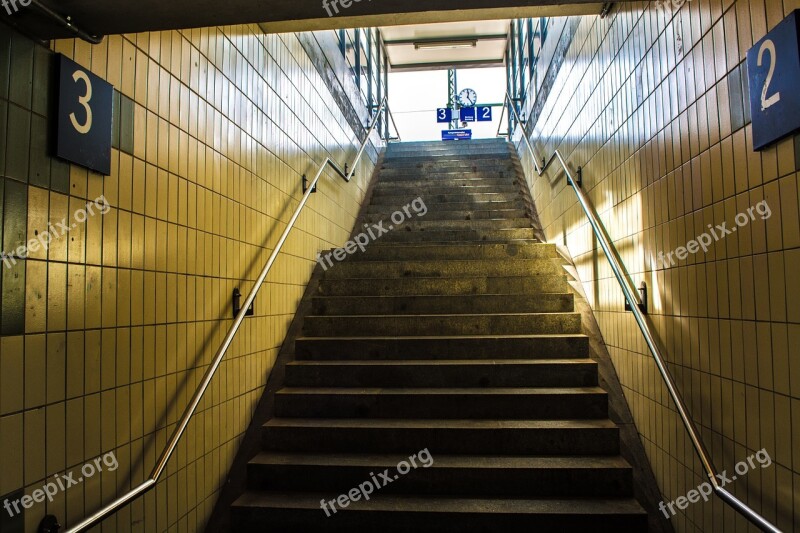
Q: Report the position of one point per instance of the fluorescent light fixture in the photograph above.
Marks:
(450, 45)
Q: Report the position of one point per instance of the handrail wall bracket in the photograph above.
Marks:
(644, 303)
(579, 178)
(305, 185)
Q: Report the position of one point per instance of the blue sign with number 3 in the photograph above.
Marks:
(773, 68)
(84, 117)
(444, 115)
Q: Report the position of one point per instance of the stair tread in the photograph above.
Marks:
(512, 260)
(524, 243)
(476, 391)
(448, 362)
(439, 315)
(404, 423)
(452, 337)
(444, 504)
(442, 461)
(486, 296)
(466, 243)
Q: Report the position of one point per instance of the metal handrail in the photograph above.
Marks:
(633, 298)
(161, 464)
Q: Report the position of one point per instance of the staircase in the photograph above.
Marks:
(456, 334)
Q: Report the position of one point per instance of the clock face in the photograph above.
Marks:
(467, 98)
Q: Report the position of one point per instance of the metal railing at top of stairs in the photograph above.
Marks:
(161, 464)
(636, 305)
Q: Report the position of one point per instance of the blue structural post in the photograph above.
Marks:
(358, 58)
(521, 59)
(370, 100)
(379, 74)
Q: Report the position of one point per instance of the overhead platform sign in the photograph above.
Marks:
(465, 114)
(468, 114)
(476, 114)
(773, 70)
(457, 135)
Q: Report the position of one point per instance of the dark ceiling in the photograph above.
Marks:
(105, 17)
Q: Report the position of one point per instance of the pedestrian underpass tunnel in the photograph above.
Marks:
(357, 266)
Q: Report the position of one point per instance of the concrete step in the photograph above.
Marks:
(496, 205)
(422, 325)
(437, 189)
(469, 235)
(456, 197)
(391, 348)
(528, 285)
(485, 174)
(423, 224)
(483, 159)
(434, 145)
(449, 151)
(444, 373)
(455, 152)
(462, 149)
(433, 268)
(428, 169)
(414, 251)
(498, 214)
(446, 475)
(443, 403)
(424, 514)
(470, 304)
(495, 437)
(460, 155)
(447, 180)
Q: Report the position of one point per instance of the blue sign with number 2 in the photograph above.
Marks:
(773, 67)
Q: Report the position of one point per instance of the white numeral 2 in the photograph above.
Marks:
(766, 102)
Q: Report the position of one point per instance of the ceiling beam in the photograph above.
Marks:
(435, 12)
(406, 42)
(108, 17)
(414, 67)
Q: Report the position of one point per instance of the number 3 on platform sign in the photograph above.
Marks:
(773, 67)
(84, 117)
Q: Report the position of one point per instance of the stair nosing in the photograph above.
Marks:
(448, 460)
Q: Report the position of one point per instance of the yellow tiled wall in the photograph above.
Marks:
(214, 129)
(653, 104)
